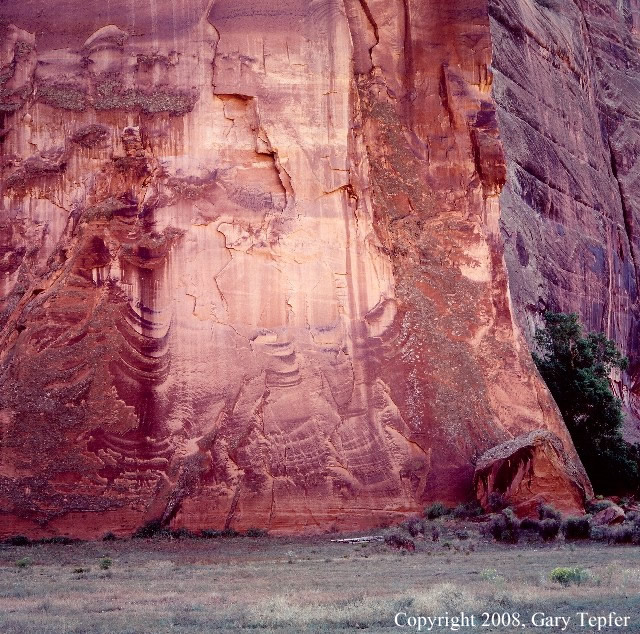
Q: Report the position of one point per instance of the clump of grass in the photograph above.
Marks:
(105, 563)
(80, 571)
(569, 576)
(181, 533)
(109, 537)
(435, 510)
(61, 540)
(577, 527)
(490, 574)
(229, 532)
(24, 562)
(210, 533)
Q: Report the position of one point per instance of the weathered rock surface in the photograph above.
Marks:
(567, 88)
(252, 266)
(528, 471)
(611, 515)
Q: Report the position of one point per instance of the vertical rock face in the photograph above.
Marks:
(252, 265)
(567, 87)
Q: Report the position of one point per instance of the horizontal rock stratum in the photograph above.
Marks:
(252, 259)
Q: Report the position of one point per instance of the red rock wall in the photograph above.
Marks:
(252, 265)
(567, 87)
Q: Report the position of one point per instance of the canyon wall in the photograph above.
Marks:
(252, 264)
(567, 88)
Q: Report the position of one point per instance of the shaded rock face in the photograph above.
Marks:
(567, 88)
(252, 266)
(528, 471)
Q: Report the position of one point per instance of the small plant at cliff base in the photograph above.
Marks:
(505, 527)
(569, 576)
(414, 526)
(547, 512)
(256, 532)
(468, 510)
(576, 368)
(549, 529)
(577, 527)
(437, 509)
(25, 562)
(18, 540)
(397, 539)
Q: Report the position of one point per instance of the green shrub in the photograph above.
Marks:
(569, 576)
(497, 502)
(468, 510)
(414, 526)
(505, 527)
(530, 524)
(181, 533)
(256, 532)
(210, 533)
(18, 540)
(577, 527)
(547, 512)
(490, 574)
(25, 562)
(58, 539)
(154, 528)
(397, 539)
(598, 505)
(229, 532)
(576, 368)
(105, 563)
(633, 517)
(549, 529)
(437, 509)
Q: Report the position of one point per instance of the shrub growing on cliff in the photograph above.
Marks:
(576, 368)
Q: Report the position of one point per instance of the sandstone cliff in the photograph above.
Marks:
(252, 262)
(567, 88)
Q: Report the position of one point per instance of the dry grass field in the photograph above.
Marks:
(306, 584)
